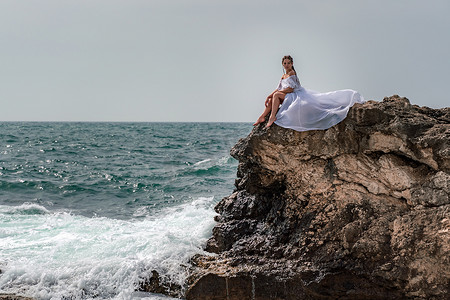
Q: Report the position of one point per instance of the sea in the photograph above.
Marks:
(89, 210)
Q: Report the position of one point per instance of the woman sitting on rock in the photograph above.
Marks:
(303, 109)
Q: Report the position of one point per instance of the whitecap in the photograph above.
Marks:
(202, 162)
(26, 209)
(61, 255)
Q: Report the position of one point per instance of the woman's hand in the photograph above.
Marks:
(268, 100)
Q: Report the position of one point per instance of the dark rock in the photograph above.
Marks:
(13, 297)
(156, 284)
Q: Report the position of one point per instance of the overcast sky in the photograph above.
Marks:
(207, 60)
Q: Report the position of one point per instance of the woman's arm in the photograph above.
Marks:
(271, 95)
(286, 90)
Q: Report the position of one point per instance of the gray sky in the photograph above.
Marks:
(206, 60)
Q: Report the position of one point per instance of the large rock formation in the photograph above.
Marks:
(358, 211)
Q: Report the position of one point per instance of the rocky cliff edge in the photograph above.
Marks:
(358, 211)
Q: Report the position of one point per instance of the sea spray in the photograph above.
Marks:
(60, 255)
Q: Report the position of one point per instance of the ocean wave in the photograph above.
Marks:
(61, 255)
(24, 209)
(87, 210)
(202, 162)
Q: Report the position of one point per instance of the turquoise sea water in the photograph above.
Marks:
(88, 210)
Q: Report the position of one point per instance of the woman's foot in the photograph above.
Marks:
(259, 121)
(270, 122)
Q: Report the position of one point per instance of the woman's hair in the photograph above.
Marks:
(291, 59)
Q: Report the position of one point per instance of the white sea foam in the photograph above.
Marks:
(54, 255)
(27, 209)
(202, 162)
(208, 163)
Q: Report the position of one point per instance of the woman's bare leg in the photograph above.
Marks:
(264, 114)
(277, 97)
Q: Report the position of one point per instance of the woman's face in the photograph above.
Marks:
(287, 64)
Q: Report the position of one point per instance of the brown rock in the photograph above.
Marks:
(358, 211)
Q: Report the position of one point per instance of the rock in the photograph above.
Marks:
(159, 285)
(13, 297)
(358, 211)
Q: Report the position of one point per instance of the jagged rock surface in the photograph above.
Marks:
(13, 297)
(358, 211)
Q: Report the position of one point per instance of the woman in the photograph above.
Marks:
(303, 109)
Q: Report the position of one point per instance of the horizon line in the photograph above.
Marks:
(28, 121)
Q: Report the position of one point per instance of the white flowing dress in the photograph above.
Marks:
(304, 110)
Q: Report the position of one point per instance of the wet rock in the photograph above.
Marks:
(358, 211)
(158, 285)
